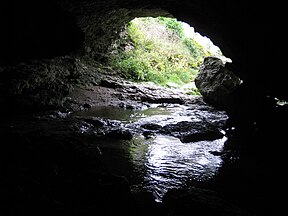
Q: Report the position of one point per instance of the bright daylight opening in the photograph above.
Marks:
(163, 51)
(203, 41)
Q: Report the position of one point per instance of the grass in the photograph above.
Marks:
(158, 51)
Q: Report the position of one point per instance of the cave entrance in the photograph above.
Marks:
(163, 50)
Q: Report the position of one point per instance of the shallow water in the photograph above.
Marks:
(123, 115)
(167, 163)
(160, 162)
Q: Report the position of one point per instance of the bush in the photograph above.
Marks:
(158, 51)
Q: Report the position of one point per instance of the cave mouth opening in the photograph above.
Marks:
(164, 51)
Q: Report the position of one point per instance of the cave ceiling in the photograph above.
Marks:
(241, 29)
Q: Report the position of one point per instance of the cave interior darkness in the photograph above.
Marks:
(42, 31)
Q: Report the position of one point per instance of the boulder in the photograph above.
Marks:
(215, 82)
(192, 131)
(120, 133)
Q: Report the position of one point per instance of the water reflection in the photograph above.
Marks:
(123, 115)
(168, 163)
(162, 162)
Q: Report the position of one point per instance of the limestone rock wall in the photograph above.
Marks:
(84, 28)
(215, 82)
(39, 84)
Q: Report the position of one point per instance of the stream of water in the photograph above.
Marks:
(160, 162)
(167, 163)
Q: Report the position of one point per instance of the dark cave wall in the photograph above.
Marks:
(40, 62)
(36, 30)
(87, 28)
(38, 84)
(101, 30)
(102, 23)
(43, 44)
(35, 39)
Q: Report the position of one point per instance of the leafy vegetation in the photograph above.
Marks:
(157, 50)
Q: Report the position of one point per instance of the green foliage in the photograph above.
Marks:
(158, 51)
(196, 50)
(172, 25)
(193, 91)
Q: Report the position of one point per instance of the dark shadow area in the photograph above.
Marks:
(49, 162)
(36, 30)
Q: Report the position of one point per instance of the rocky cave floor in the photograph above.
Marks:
(50, 167)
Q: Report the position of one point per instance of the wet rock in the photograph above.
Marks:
(216, 153)
(56, 115)
(130, 105)
(87, 106)
(148, 134)
(96, 122)
(81, 126)
(209, 114)
(120, 133)
(110, 83)
(201, 135)
(151, 126)
(215, 82)
(112, 123)
(192, 131)
(172, 100)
